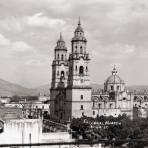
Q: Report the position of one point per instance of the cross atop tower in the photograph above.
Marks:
(79, 27)
(79, 22)
(61, 37)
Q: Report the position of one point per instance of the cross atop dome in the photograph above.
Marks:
(114, 71)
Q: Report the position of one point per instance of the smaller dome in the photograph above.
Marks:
(79, 28)
(79, 33)
(60, 43)
(114, 78)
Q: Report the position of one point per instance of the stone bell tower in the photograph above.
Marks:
(59, 78)
(78, 93)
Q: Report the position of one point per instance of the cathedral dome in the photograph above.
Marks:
(114, 83)
(114, 78)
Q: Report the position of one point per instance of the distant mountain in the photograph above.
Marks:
(45, 89)
(11, 89)
(137, 88)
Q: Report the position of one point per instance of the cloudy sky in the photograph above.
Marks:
(116, 30)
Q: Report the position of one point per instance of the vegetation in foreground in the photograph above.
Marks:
(118, 128)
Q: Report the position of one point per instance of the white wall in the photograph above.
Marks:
(17, 131)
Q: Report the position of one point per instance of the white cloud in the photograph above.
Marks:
(3, 40)
(114, 51)
(40, 20)
(33, 62)
(11, 24)
(21, 46)
(14, 49)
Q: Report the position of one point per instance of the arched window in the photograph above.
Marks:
(81, 70)
(76, 67)
(93, 112)
(67, 73)
(111, 87)
(81, 97)
(93, 103)
(81, 107)
(62, 57)
(58, 56)
(81, 49)
(99, 105)
(118, 87)
(110, 105)
(62, 74)
(57, 73)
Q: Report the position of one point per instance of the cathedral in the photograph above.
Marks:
(71, 94)
(70, 91)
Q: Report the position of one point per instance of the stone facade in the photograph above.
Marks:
(115, 99)
(71, 94)
(70, 91)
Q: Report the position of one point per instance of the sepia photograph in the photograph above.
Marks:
(73, 74)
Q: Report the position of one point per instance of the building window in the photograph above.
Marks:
(118, 87)
(81, 50)
(81, 70)
(82, 113)
(110, 105)
(93, 103)
(62, 57)
(112, 88)
(93, 112)
(67, 73)
(81, 107)
(81, 97)
(57, 73)
(99, 105)
(76, 47)
(145, 98)
(76, 67)
(124, 98)
(62, 74)
(58, 56)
